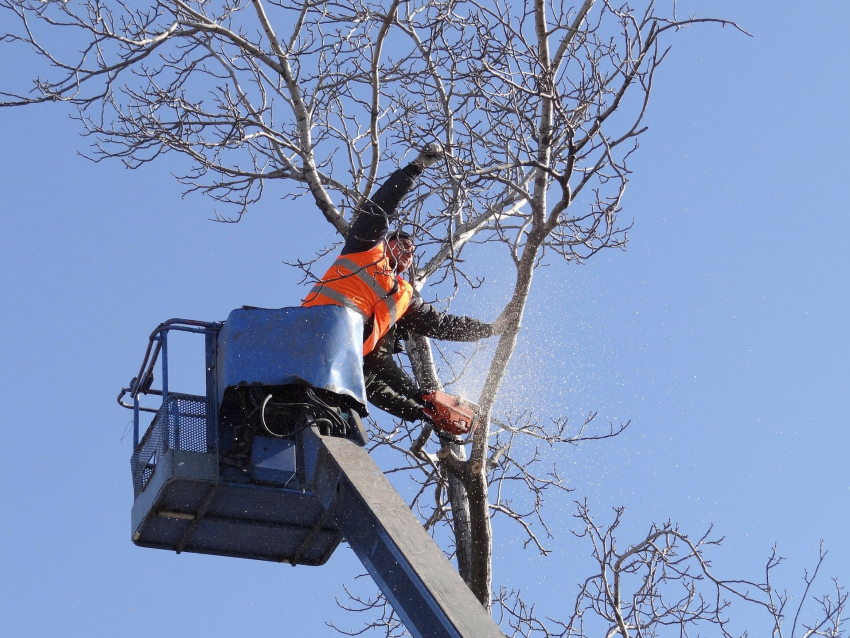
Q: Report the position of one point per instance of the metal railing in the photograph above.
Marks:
(183, 421)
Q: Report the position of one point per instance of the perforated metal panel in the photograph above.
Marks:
(188, 416)
(180, 424)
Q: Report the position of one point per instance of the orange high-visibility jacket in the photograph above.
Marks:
(365, 283)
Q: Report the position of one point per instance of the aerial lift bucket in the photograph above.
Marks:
(270, 464)
(207, 476)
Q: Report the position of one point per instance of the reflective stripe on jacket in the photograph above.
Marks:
(365, 283)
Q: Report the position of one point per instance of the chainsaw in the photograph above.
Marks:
(451, 415)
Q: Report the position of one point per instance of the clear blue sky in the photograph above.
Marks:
(722, 333)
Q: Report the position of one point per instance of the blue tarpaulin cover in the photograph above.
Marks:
(321, 346)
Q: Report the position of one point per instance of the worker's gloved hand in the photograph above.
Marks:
(428, 155)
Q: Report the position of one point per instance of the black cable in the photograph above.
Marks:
(327, 415)
(335, 417)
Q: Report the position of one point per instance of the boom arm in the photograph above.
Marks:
(422, 586)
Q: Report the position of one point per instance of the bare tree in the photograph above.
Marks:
(666, 582)
(538, 106)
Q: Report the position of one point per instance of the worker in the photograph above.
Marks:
(367, 278)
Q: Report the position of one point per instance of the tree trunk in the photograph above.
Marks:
(419, 350)
(482, 534)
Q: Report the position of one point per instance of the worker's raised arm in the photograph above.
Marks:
(373, 220)
(422, 318)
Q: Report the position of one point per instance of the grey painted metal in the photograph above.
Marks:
(189, 506)
(135, 422)
(187, 497)
(171, 436)
(319, 346)
(140, 383)
(272, 458)
(163, 340)
(415, 576)
(172, 466)
(210, 349)
(298, 497)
